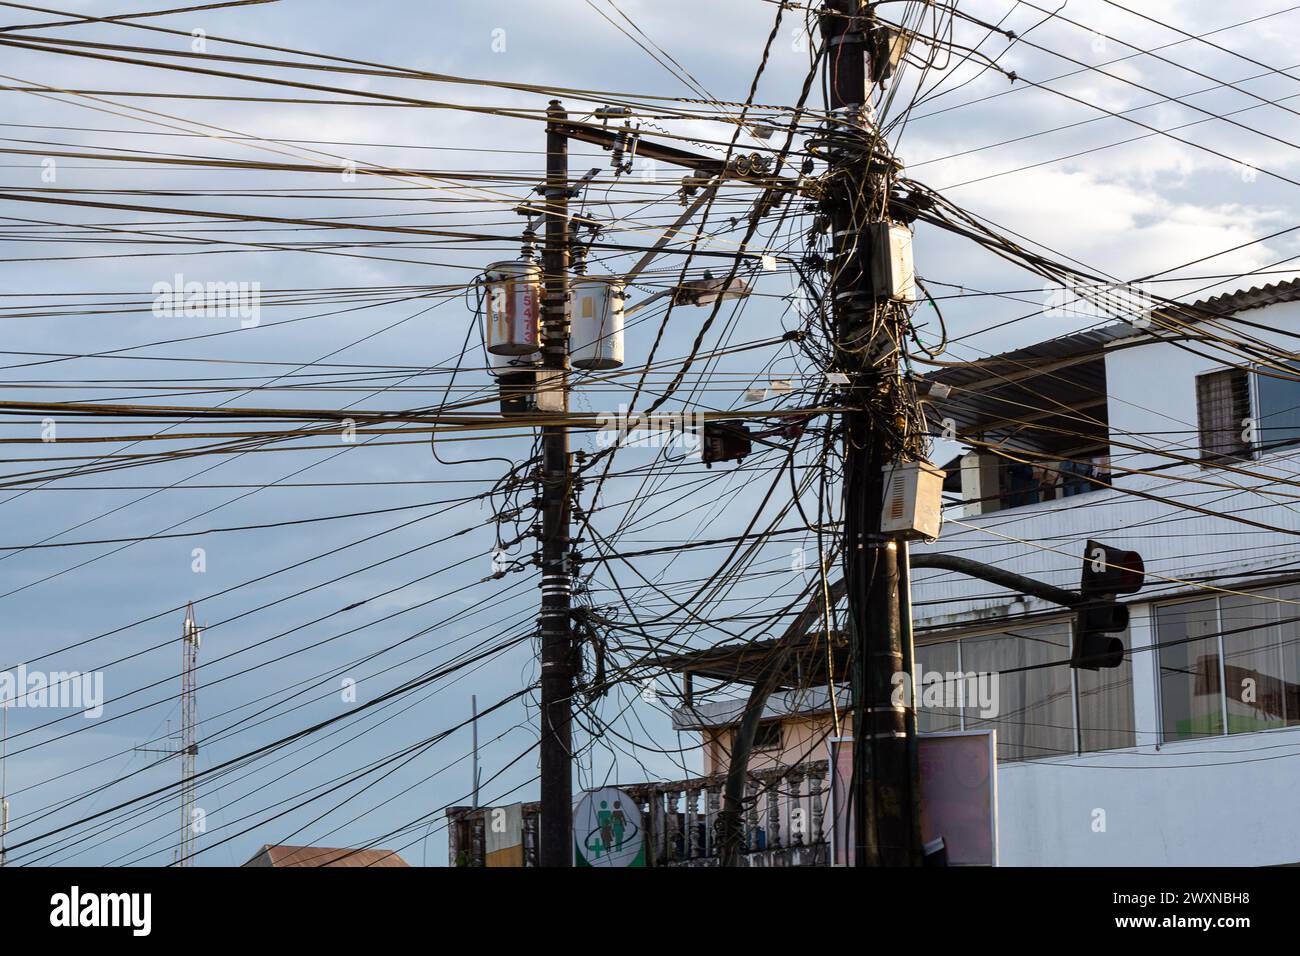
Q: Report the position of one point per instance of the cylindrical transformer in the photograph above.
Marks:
(512, 307)
(596, 323)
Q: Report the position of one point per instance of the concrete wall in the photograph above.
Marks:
(1225, 801)
(803, 740)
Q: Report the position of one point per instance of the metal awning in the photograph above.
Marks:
(805, 664)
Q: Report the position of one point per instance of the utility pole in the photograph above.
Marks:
(868, 339)
(555, 841)
(558, 558)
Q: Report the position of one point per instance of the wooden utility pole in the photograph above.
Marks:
(555, 841)
(868, 342)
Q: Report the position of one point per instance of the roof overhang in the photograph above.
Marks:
(1048, 398)
(803, 662)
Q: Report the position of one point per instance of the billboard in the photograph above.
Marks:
(959, 794)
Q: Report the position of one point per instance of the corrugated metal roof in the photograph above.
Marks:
(1243, 300)
(290, 856)
(747, 662)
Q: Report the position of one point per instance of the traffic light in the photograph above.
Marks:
(1107, 572)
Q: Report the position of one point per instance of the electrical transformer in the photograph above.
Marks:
(913, 500)
(512, 307)
(596, 323)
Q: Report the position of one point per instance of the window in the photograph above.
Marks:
(1105, 706)
(1253, 664)
(768, 736)
(933, 716)
(1230, 664)
(1191, 699)
(1222, 405)
(1041, 711)
(1279, 408)
(1033, 714)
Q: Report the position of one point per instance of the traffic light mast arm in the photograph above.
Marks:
(1000, 576)
(743, 742)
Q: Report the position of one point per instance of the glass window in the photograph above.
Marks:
(1190, 699)
(1106, 706)
(1034, 708)
(1252, 663)
(768, 736)
(1288, 633)
(1279, 409)
(932, 713)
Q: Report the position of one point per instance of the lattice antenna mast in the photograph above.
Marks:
(189, 751)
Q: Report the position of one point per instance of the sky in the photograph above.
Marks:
(293, 611)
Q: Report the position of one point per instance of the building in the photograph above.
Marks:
(1181, 448)
(293, 856)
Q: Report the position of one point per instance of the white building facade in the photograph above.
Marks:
(1181, 443)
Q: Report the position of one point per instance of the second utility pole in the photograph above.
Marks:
(868, 341)
(555, 840)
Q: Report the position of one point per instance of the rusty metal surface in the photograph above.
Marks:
(297, 856)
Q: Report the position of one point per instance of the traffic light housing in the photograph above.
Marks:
(1095, 646)
(725, 441)
(1110, 571)
(1107, 572)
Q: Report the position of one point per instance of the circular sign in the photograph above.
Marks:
(607, 829)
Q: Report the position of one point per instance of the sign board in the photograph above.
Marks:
(607, 829)
(959, 796)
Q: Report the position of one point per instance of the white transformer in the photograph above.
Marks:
(512, 307)
(596, 323)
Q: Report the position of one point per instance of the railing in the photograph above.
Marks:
(785, 821)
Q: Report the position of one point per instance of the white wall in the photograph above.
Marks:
(1152, 387)
(1222, 801)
